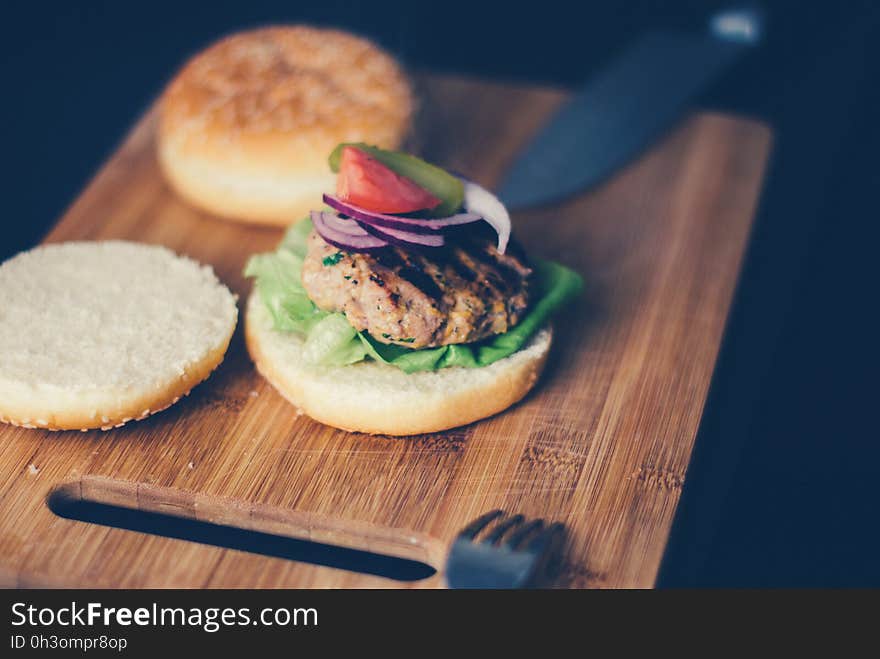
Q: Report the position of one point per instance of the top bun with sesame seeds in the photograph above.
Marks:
(246, 126)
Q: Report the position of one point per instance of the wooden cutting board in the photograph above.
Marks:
(602, 443)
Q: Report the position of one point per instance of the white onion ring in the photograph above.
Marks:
(480, 201)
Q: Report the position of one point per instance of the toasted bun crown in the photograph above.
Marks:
(246, 127)
(93, 334)
(380, 399)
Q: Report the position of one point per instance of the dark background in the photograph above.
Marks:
(783, 487)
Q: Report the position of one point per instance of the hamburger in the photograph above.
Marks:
(403, 305)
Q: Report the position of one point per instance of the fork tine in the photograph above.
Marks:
(547, 539)
(517, 538)
(471, 530)
(498, 532)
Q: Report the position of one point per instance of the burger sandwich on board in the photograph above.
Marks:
(402, 306)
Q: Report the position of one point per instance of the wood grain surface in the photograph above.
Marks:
(602, 444)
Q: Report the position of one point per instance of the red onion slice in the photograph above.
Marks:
(411, 224)
(405, 238)
(341, 239)
(343, 224)
(479, 200)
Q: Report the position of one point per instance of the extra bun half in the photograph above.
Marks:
(375, 398)
(247, 125)
(95, 334)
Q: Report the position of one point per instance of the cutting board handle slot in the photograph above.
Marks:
(102, 501)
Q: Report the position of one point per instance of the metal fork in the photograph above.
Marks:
(498, 550)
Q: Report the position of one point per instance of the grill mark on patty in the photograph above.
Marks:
(514, 258)
(415, 274)
(508, 281)
(487, 277)
(388, 258)
(456, 288)
(449, 258)
(399, 262)
(500, 267)
(442, 279)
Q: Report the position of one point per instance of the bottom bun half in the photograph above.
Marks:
(375, 398)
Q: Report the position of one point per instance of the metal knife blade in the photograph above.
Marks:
(625, 108)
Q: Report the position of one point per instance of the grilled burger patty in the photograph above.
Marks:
(421, 298)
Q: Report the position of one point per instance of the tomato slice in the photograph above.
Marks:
(364, 181)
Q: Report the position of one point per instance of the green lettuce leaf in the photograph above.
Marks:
(331, 340)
